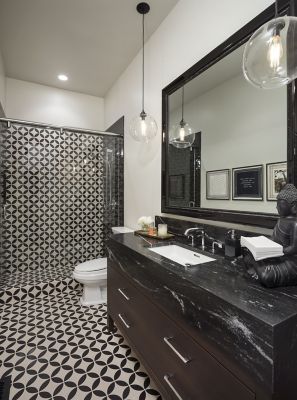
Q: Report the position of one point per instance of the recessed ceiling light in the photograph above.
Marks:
(63, 77)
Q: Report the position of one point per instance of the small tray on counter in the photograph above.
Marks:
(146, 234)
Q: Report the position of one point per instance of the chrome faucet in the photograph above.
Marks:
(216, 243)
(202, 235)
(190, 233)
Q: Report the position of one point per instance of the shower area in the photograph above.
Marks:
(61, 191)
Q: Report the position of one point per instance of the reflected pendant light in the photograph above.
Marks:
(182, 135)
(143, 128)
(270, 56)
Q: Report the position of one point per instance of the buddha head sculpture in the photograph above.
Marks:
(280, 271)
(287, 201)
(285, 231)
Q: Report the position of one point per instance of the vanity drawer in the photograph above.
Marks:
(121, 307)
(193, 372)
(120, 287)
(119, 298)
(180, 365)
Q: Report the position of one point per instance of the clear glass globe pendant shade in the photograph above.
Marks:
(143, 128)
(182, 135)
(270, 56)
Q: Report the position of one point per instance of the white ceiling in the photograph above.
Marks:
(92, 41)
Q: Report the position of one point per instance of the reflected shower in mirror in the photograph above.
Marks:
(238, 159)
(184, 174)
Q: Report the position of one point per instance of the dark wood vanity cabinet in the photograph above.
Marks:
(180, 367)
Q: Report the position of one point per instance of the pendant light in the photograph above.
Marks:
(182, 136)
(143, 128)
(270, 56)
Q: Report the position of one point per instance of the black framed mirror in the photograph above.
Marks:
(241, 146)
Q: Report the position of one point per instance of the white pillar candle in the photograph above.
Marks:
(162, 230)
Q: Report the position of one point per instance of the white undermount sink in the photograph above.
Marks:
(181, 255)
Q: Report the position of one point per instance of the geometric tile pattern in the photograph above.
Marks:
(2, 126)
(16, 279)
(54, 348)
(64, 191)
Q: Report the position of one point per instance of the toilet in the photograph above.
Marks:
(92, 275)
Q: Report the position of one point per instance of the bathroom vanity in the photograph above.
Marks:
(204, 332)
(209, 332)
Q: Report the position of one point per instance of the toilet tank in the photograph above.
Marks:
(121, 229)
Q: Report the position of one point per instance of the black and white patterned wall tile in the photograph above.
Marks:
(2, 195)
(64, 191)
(54, 348)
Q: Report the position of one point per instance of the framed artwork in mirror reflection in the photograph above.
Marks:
(248, 183)
(218, 184)
(276, 178)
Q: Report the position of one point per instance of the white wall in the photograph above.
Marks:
(2, 82)
(32, 102)
(240, 126)
(190, 31)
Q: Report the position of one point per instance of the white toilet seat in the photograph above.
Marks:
(91, 266)
(90, 276)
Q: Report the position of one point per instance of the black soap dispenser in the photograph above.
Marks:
(232, 245)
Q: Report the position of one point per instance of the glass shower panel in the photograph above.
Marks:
(114, 174)
(60, 204)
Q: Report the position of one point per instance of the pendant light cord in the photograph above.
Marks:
(143, 63)
(183, 97)
(276, 8)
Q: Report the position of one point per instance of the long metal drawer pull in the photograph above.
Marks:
(167, 380)
(123, 294)
(123, 321)
(185, 360)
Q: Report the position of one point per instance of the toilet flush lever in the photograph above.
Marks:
(123, 294)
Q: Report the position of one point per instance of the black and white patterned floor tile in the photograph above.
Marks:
(56, 349)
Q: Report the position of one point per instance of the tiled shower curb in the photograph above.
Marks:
(21, 293)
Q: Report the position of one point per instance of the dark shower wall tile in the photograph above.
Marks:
(60, 206)
(114, 210)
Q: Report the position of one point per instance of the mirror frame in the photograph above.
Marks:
(266, 220)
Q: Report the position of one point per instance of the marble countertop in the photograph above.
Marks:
(250, 329)
(224, 279)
